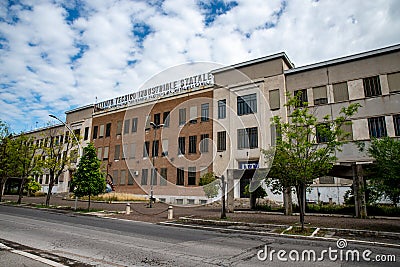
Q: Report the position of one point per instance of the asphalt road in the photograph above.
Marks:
(107, 242)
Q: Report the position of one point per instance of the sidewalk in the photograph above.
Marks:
(386, 230)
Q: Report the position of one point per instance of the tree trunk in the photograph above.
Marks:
(253, 200)
(49, 193)
(21, 190)
(301, 197)
(287, 200)
(1, 189)
(89, 204)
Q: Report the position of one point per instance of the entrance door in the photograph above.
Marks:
(245, 180)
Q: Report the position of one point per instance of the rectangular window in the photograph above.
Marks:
(123, 177)
(154, 151)
(396, 121)
(321, 133)
(193, 114)
(166, 119)
(153, 178)
(148, 120)
(274, 99)
(146, 147)
(248, 138)
(372, 86)
(205, 112)
(192, 144)
(192, 176)
(204, 143)
(130, 177)
(163, 178)
(377, 127)
(320, 95)
(124, 151)
(119, 127)
(247, 104)
(108, 129)
(221, 141)
(181, 145)
(157, 119)
(180, 176)
(117, 152)
(101, 131)
(86, 134)
(301, 95)
(134, 125)
(340, 92)
(182, 116)
(106, 150)
(99, 152)
(127, 126)
(132, 152)
(164, 148)
(115, 177)
(394, 82)
(145, 173)
(77, 132)
(347, 129)
(222, 109)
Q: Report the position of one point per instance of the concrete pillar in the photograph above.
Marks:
(359, 191)
(170, 213)
(128, 209)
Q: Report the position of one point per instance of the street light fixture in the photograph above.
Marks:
(153, 174)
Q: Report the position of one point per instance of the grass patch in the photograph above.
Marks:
(123, 197)
(296, 230)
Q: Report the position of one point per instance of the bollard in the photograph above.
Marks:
(128, 209)
(170, 213)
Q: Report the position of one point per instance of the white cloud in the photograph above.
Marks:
(38, 77)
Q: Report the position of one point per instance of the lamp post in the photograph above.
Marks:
(153, 174)
(77, 142)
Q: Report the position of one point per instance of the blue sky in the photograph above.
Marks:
(56, 55)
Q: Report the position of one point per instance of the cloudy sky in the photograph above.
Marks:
(56, 55)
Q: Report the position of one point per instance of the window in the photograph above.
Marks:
(274, 99)
(127, 125)
(163, 178)
(221, 141)
(153, 178)
(123, 177)
(182, 116)
(154, 151)
(180, 176)
(347, 129)
(372, 86)
(396, 121)
(77, 132)
(146, 146)
(115, 177)
(377, 127)
(394, 82)
(108, 129)
(99, 152)
(193, 114)
(157, 118)
(134, 125)
(248, 138)
(320, 96)
(145, 173)
(204, 143)
(117, 152)
(130, 177)
(166, 119)
(205, 112)
(86, 134)
(192, 144)
(247, 104)
(340, 92)
(181, 145)
(192, 176)
(119, 127)
(132, 152)
(164, 148)
(106, 150)
(124, 151)
(222, 109)
(101, 131)
(147, 126)
(302, 97)
(321, 133)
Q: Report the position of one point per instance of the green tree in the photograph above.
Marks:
(299, 158)
(31, 186)
(211, 184)
(255, 195)
(88, 179)
(6, 162)
(385, 172)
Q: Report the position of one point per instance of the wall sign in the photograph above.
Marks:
(245, 165)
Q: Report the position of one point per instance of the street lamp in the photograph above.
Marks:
(153, 175)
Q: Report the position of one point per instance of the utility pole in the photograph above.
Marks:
(153, 174)
(223, 210)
